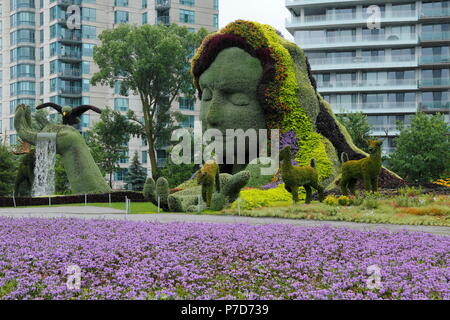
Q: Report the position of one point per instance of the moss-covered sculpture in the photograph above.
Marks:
(367, 170)
(82, 172)
(248, 77)
(23, 184)
(70, 116)
(279, 92)
(208, 178)
(295, 177)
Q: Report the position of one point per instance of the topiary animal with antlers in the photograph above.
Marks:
(295, 176)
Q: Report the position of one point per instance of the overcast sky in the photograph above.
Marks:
(271, 12)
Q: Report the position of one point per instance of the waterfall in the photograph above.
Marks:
(44, 169)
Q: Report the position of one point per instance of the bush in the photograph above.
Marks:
(331, 201)
(257, 198)
(344, 201)
(162, 191)
(149, 190)
(410, 191)
(217, 201)
(371, 201)
(7, 172)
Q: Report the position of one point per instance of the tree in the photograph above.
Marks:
(153, 62)
(137, 175)
(358, 127)
(423, 149)
(7, 172)
(108, 140)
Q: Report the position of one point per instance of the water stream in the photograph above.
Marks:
(44, 170)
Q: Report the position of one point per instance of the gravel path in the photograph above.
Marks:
(88, 212)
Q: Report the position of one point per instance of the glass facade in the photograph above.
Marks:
(389, 72)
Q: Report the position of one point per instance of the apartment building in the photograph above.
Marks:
(43, 59)
(386, 59)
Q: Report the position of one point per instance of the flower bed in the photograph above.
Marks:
(121, 260)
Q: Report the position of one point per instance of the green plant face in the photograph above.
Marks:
(229, 92)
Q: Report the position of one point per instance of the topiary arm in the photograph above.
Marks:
(24, 125)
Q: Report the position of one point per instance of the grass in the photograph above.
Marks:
(434, 213)
(417, 210)
(136, 207)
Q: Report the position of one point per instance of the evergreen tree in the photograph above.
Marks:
(137, 175)
(7, 172)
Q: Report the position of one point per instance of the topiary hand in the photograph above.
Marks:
(230, 187)
(82, 172)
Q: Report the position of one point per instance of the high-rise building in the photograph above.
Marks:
(43, 59)
(386, 59)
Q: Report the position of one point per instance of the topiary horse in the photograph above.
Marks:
(295, 177)
(367, 169)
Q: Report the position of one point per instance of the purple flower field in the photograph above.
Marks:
(146, 260)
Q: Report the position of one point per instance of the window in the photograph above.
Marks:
(22, 53)
(22, 88)
(121, 3)
(86, 66)
(216, 4)
(121, 104)
(120, 174)
(16, 4)
(22, 18)
(88, 14)
(121, 17)
(88, 49)
(89, 32)
(144, 157)
(187, 16)
(22, 35)
(216, 20)
(86, 85)
(187, 2)
(144, 4)
(124, 157)
(13, 139)
(186, 104)
(144, 18)
(189, 122)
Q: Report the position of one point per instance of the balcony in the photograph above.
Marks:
(70, 91)
(434, 13)
(424, 60)
(69, 37)
(380, 130)
(338, 63)
(359, 18)
(435, 106)
(367, 85)
(162, 4)
(435, 36)
(70, 73)
(359, 41)
(378, 108)
(70, 56)
(163, 20)
(66, 3)
(434, 83)
(290, 3)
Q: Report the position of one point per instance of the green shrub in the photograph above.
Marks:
(344, 201)
(162, 191)
(217, 201)
(410, 191)
(149, 191)
(331, 201)
(256, 198)
(371, 201)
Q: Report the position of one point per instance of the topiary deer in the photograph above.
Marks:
(366, 169)
(295, 177)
